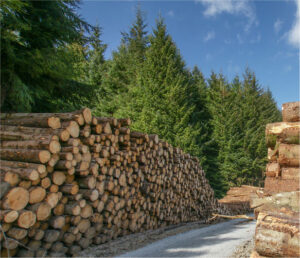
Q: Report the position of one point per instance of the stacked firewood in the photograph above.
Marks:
(277, 206)
(69, 180)
(237, 199)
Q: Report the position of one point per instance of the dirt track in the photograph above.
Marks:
(191, 239)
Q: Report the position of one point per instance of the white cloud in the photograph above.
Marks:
(210, 35)
(215, 7)
(294, 33)
(278, 25)
(170, 13)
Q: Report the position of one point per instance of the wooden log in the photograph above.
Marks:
(76, 116)
(72, 127)
(52, 199)
(16, 164)
(36, 234)
(17, 233)
(290, 173)
(87, 182)
(291, 112)
(89, 194)
(124, 122)
(58, 177)
(16, 199)
(52, 145)
(26, 219)
(27, 119)
(8, 216)
(274, 185)
(69, 189)
(10, 244)
(42, 210)
(275, 237)
(23, 173)
(57, 222)
(84, 225)
(273, 169)
(51, 235)
(289, 155)
(9, 177)
(38, 156)
(62, 134)
(66, 155)
(36, 194)
(285, 132)
(46, 182)
(72, 208)
(86, 211)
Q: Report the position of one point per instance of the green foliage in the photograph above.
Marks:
(240, 111)
(33, 61)
(52, 62)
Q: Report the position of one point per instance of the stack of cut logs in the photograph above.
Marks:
(282, 172)
(277, 206)
(237, 199)
(69, 180)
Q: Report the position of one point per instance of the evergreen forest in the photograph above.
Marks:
(53, 61)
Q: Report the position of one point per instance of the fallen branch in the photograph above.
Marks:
(233, 217)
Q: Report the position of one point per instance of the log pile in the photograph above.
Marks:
(70, 180)
(237, 199)
(277, 206)
(282, 171)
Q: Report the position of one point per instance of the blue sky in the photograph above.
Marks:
(219, 35)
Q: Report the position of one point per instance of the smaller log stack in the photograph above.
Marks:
(282, 171)
(277, 206)
(237, 199)
(70, 180)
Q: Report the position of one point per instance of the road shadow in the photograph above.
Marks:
(194, 243)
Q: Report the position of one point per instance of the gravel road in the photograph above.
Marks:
(219, 240)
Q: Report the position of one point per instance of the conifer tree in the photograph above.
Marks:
(34, 64)
(123, 70)
(162, 97)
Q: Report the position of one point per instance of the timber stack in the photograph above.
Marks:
(237, 199)
(70, 180)
(277, 206)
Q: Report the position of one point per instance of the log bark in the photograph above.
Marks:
(23, 173)
(26, 119)
(52, 145)
(35, 156)
(13, 164)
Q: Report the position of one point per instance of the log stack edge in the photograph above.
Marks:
(277, 207)
(70, 180)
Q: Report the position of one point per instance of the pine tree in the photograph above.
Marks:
(162, 96)
(35, 65)
(123, 71)
(96, 57)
